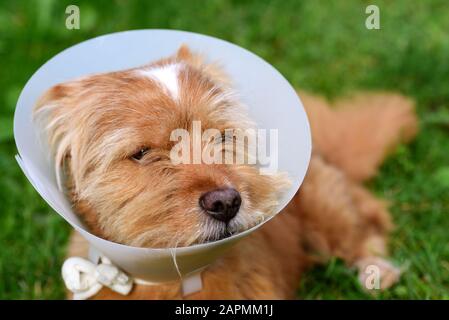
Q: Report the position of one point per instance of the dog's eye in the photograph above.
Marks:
(140, 154)
(227, 137)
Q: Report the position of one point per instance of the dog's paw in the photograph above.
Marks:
(376, 273)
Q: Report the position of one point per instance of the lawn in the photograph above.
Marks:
(320, 46)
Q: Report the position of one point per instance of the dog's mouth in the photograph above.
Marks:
(224, 212)
(223, 233)
(215, 230)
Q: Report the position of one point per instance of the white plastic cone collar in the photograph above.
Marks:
(271, 101)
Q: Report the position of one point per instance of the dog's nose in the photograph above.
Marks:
(222, 204)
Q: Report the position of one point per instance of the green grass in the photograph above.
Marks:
(319, 46)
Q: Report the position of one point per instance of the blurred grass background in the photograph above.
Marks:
(320, 46)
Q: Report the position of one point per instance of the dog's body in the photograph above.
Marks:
(331, 215)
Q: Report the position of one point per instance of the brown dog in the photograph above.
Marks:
(111, 137)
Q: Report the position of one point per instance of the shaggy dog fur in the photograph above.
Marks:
(98, 124)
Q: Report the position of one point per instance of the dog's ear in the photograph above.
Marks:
(54, 114)
(53, 95)
(213, 69)
(184, 53)
(55, 101)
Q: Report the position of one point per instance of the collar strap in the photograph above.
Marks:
(85, 279)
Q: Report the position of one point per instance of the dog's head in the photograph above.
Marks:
(112, 136)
